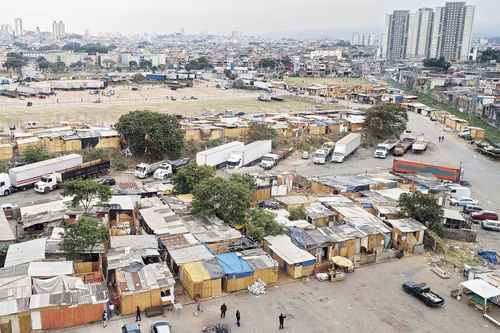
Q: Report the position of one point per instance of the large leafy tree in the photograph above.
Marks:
(198, 64)
(261, 224)
(261, 132)
(424, 208)
(34, 154)
(188, 176)
(86, 193)
(439, 63)
(228, 199)
(298, 213)
(385, 121)
(152, 134)
(83, 236)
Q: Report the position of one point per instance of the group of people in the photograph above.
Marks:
(223, 310)
(108, 313)
(441, 138)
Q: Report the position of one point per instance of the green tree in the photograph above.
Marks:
(297, 214)
(268, 63)
(262, 223)
(439, 63)
(42, 63)
(151, 133)
(228, 199)
(490, 54)
(191, 174)
(15, 61)
(86, 193)
(34, 154)
(385, 121)
(83, 236)
(258, 131)
(423, 208)
(198, 64)
(132, 64)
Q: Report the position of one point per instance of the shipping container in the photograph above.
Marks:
(438, 171)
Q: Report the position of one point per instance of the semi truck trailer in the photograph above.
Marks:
(345, 147)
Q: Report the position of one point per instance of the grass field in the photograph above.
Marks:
(307, 81)
(108, 113)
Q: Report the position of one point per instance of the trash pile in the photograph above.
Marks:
(322, 276)
(257, 288)
(219, 328)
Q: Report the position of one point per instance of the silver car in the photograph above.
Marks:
(161, 327)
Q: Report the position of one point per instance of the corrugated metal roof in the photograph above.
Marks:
(25, 252)
(152, 276)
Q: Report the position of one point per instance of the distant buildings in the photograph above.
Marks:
(365, 39)
(443, 32)
(58, 30)
(18, 27)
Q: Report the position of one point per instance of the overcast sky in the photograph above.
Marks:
(338, 17)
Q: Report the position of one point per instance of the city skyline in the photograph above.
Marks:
(317, 17)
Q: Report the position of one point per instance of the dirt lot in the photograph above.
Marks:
(81, 106)
(362, 303)
(307, 81)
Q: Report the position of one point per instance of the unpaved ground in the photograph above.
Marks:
(370, 300)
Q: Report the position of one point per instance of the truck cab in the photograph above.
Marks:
(338, 157)
(320, 156)
(5, 184)
(163, 172)
(234, 161)
(46, 184)
(269, 161)
(381, 151)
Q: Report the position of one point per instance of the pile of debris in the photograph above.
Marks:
(257, 288)
(219, 328)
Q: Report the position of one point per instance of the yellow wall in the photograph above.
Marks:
(6, 152)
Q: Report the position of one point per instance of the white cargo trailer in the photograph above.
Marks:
(250, 153)
(27, 175)
(345, 147)
(219, 155)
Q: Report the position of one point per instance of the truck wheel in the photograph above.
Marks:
(46, 190)
(6, 192)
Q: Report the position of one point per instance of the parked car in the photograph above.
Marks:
(468, 209)
(490, 225)
(463, 202)
(269, 204)
(423, 292)
(483, 215)
(161, 327)
(131, 328)
(305, 155)
(110, 181)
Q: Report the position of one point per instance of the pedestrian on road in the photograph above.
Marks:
(442, 140)
(105, 318)
(238, 317)
(282, 320)
(223, 309)
(111, 309)
(138, 314)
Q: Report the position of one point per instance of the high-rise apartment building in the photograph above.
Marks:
(452, 31)
(58, 30)
(427, 33)
(420, 34)
(18, 27)
(396, 35)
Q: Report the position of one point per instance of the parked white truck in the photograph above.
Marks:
(144, 170)
(420, 145)
(345, 147)
(250, 153)
(219, 155)
(23, 177)
(320, 156)
(383, 149)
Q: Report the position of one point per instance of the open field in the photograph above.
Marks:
(307, 81)
(80, 105)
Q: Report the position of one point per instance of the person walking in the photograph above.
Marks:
(105, 318)
(238, 318)
(223, 309)
(138, 314)
(282, 320)
(111, 309)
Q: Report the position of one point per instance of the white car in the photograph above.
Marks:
(463, 202)
(161, 327)
(305, 155)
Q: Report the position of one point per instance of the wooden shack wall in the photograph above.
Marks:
(6, 152)
(111, 142)
(62, 317)
(298, 271)
(204, 289)
(235, 284)
(145, 299)
(268, 275)
(192, 134)
(261, 194)
(318, 188)
(16, 323)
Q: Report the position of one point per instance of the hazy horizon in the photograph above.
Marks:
(335, 18)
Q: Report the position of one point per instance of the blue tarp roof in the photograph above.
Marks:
(233, 265)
